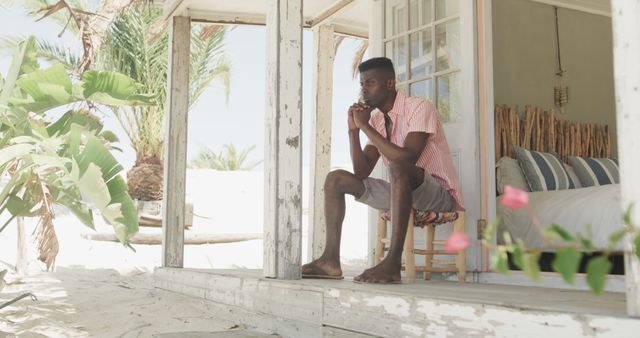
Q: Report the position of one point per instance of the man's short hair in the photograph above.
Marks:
(382, 63)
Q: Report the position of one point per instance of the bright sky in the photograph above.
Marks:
(214, 123)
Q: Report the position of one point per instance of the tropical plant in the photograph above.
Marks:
(138, 45)
(228, 159)
(67, 161)
(135, 43)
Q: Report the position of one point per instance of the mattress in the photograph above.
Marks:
(573, 209)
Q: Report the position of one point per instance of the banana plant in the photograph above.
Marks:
(65, 160)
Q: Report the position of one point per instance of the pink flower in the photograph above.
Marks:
(514, 198)
(456, 241)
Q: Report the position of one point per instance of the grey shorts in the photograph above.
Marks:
(430, 195)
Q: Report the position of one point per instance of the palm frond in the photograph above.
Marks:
(357, 58)
(57, 53)
(208, 60)
(227, 160)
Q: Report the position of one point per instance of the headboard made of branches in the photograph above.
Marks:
(542, 131)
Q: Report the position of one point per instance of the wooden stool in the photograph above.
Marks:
(427, 220)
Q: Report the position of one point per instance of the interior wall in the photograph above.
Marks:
(524, 60)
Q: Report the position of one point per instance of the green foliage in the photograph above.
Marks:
(557, 231)
(597, 270)
(67, 161)
(137, 46)
(567, 262)
(228, 159)
(500, 260)
(568, 254)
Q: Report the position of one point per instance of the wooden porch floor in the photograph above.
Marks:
(424, 308)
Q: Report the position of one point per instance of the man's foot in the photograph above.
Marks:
(322, 268)
(383, 273)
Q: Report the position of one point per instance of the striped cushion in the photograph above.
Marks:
(543, 171)
(423, 218)
(595, 171)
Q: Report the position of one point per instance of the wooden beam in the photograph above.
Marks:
(321, 108)
(21, 255)
(283, 133)
(192, 239)
(328, 13)
(591, 7)
(175, 146)
(626, 53)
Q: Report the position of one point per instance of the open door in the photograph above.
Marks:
(432, 44)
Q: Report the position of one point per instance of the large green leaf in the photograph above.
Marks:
(127, 226)
(63, 124)
(23, 62)
(636, 242)
(120, 212)
(15, 151)
(79, 209)
(597, 270)
(567, 262)
(47, 89)
(115, 89)
(95, 152)
(94, 188)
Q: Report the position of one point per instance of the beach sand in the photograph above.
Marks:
(102, 289)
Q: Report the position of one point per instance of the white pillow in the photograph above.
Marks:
(508, 171)
(573, 175)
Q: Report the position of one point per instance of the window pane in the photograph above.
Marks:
(396, 50)
(421, 55)
(420, 13)
(448, 45)
(395, 17)
(446, 8)
(448, 89)
(423, 89)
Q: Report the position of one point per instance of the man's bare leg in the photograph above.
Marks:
(336, 186)
(405, 177)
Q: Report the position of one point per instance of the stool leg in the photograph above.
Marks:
(409, 256)
(461, 259)
(428, 264)
(381, 234)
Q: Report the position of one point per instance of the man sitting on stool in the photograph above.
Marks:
(408, 134)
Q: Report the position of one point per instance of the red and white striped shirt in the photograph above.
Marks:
(414, 114)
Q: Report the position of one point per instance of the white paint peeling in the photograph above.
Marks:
(392, 305)
(413, 329)
(335, 293)
(436, 331)
(514, 323)
(614, 327)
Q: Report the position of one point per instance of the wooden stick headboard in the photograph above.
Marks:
(542, 131)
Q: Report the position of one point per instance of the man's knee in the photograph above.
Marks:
(336, 179)
(400, 169)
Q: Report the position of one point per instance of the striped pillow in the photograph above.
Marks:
(595, 171)
(543, 171)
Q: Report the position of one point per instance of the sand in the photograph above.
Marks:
(101, 289)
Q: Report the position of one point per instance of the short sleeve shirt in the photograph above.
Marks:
(413, 114)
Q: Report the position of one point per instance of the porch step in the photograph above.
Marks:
(220, 334)
(330, 308)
